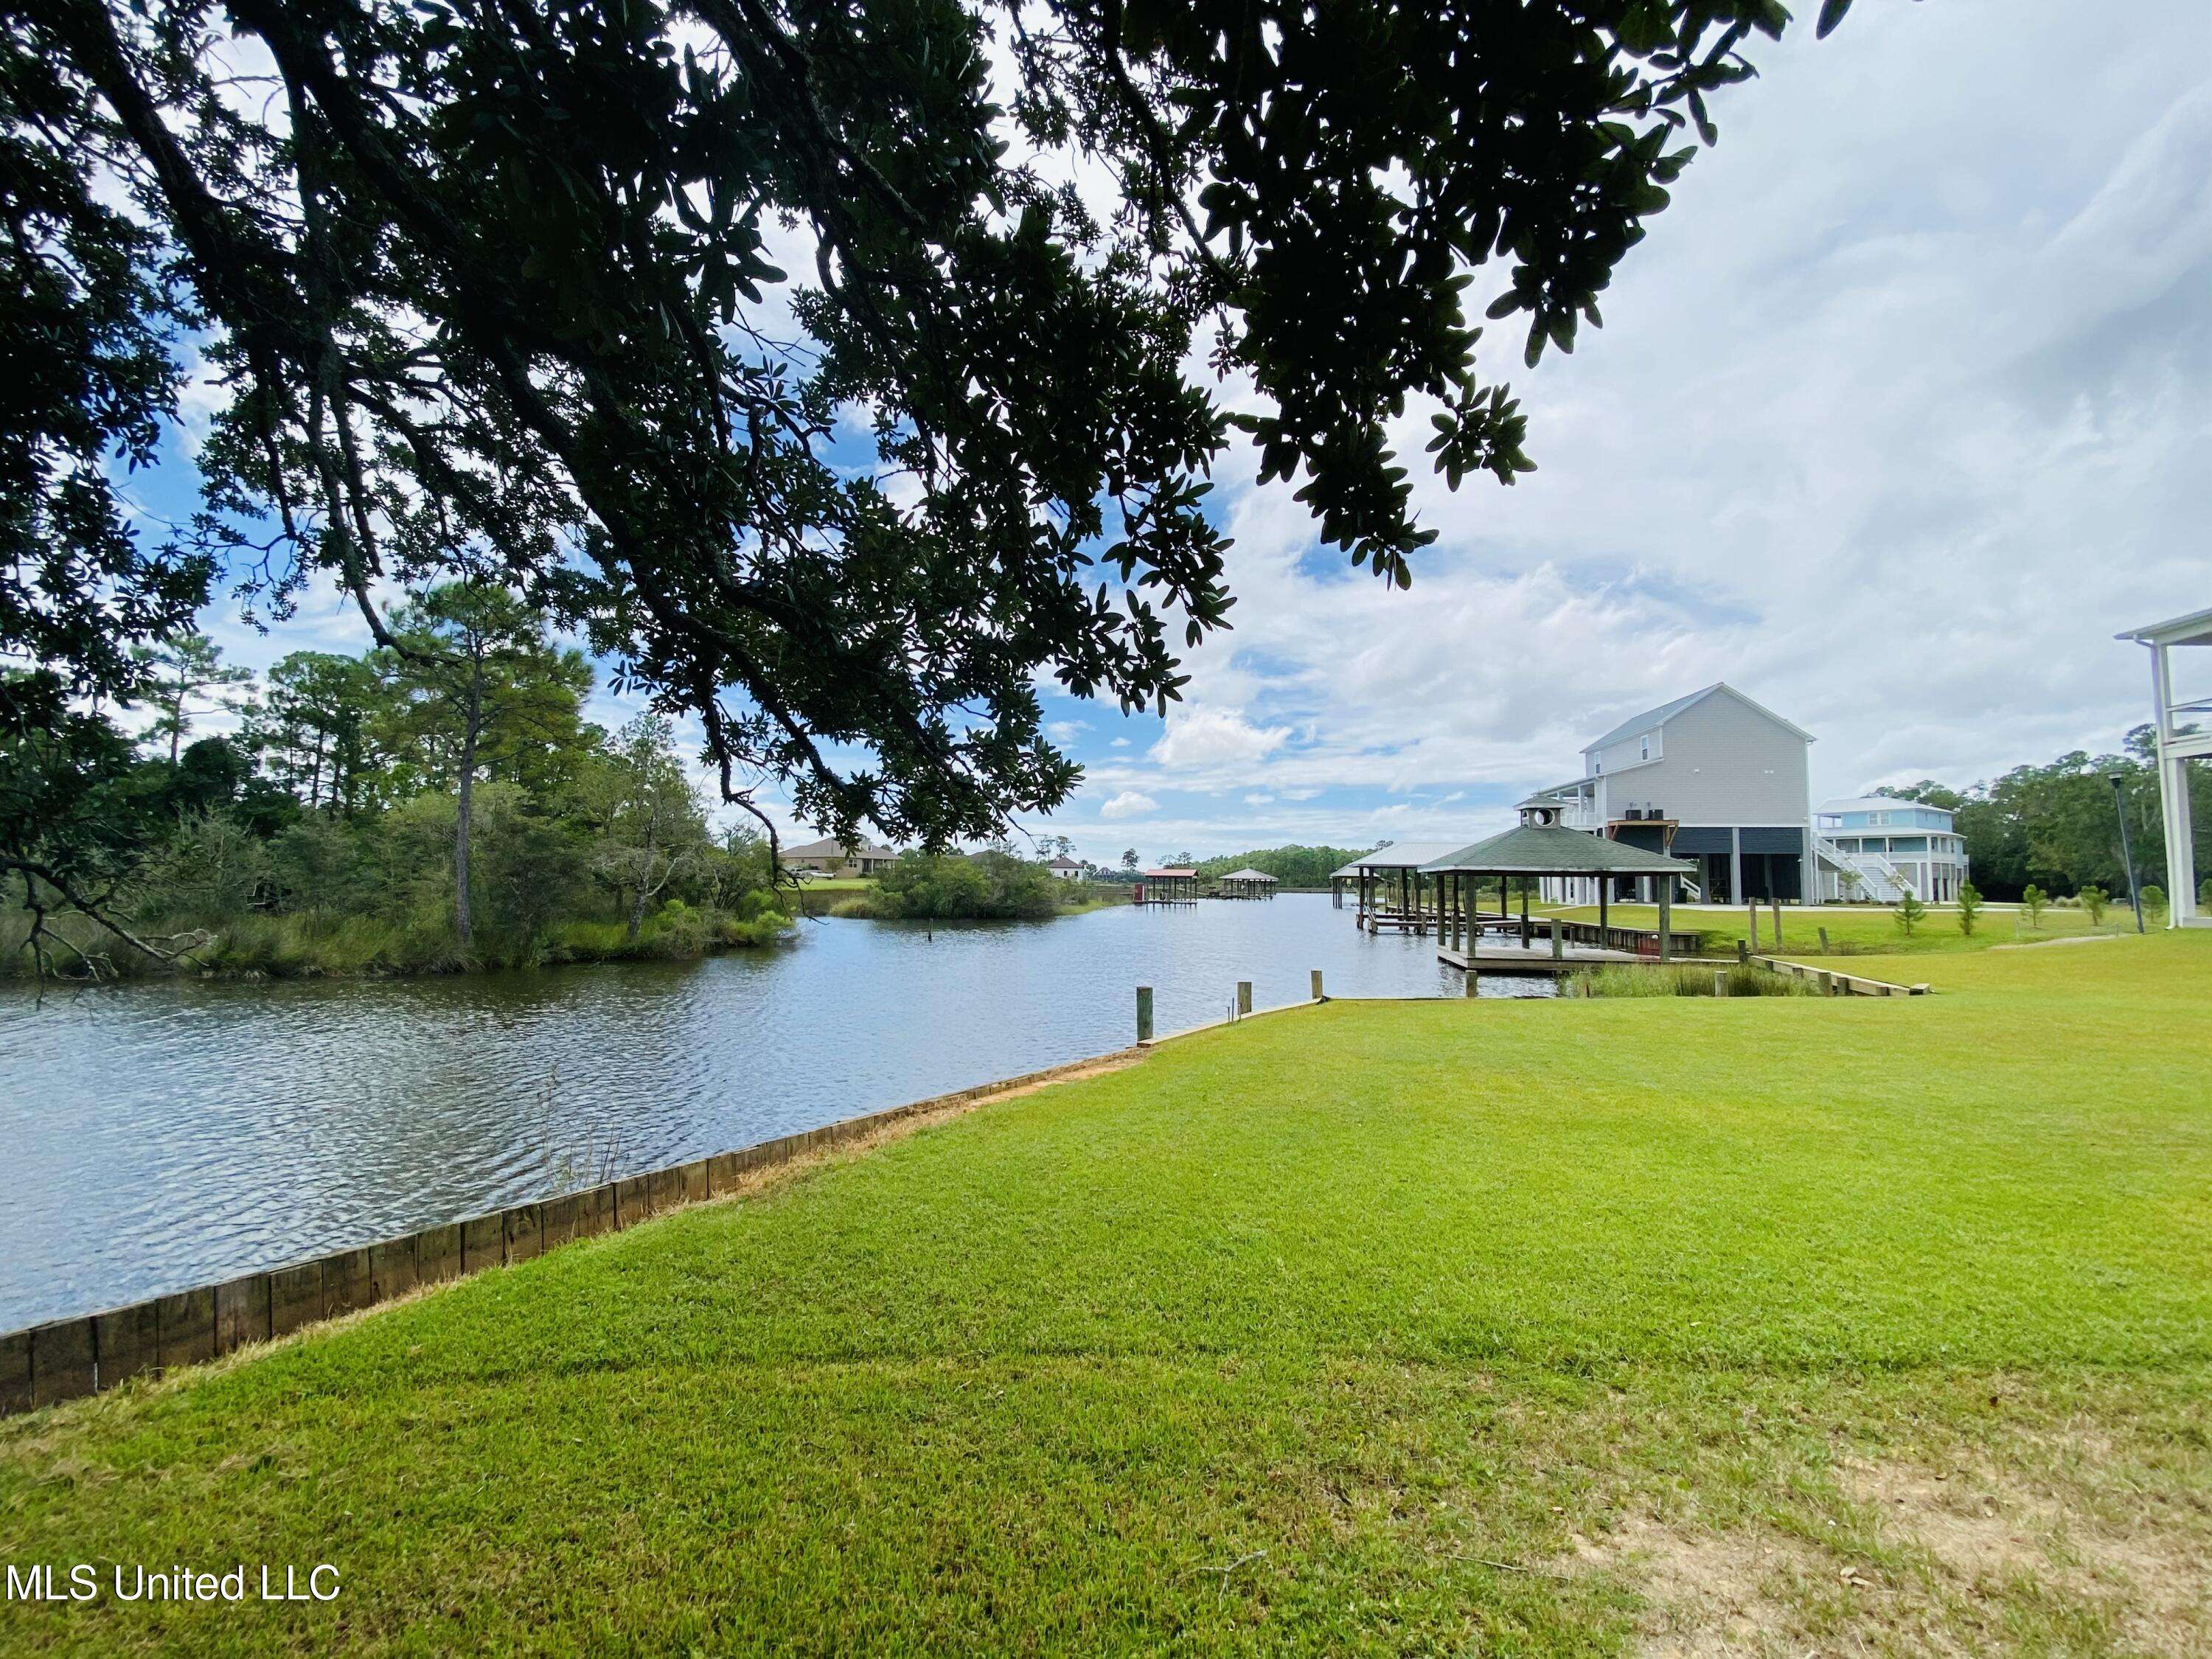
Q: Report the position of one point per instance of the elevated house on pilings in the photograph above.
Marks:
(1387, 886)
(1712, 778)
(1541, 849)
(1248, 884)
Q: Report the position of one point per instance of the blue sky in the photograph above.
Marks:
(1899, 414)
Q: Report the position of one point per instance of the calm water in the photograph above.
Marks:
(161, 1136)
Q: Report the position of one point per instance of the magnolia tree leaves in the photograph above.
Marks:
(497, 292)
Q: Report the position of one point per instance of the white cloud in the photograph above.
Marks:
(1197, 737)
(1257, 800)
(1064, 732)
(1119, 743)
(1128, 804)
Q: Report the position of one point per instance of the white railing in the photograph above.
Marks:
(1883, 881)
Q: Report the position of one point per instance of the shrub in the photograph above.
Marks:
(2032, 899)
(1970, 907)
(2093, 900)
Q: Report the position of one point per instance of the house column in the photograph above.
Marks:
(1735, 866)
(2174, 797)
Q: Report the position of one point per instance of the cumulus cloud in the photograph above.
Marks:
(1129, 804)
(1199, 737)
(1887, 428)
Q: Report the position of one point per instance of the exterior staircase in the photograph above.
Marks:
(1878, 879)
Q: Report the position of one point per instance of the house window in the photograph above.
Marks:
(1644, 749)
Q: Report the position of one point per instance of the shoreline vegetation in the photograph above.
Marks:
(992, 886)
(1878, 1325)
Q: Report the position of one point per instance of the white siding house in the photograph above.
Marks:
(1713, 778)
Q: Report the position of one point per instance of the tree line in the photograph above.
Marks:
(439, 801)
(2057, 827)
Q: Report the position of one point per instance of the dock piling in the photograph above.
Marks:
(1144, 1013)
(1743, 952)
(1316, 985)
(1823, 941)
(1473, 977)
(1244, 998)
(1720, 983)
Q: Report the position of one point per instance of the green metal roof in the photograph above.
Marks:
(1549, 850)
(1404, 855)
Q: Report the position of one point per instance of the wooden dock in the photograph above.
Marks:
(1510, 956)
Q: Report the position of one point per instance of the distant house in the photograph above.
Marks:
(1067, 869)
(1888, 845)
(1713, 778)
(837, 858)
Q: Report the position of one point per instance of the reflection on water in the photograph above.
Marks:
(163, 1136)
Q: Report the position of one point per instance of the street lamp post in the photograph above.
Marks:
(2127, 853)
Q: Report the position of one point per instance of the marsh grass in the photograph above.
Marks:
(1700, 979)
(314, 944)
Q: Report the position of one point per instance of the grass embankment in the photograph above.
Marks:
(1862, 929)
(306, 944)
(1537, 1326)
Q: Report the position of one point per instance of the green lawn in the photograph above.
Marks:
(1461, 1326)
(1864, 927)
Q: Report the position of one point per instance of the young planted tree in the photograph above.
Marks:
(474, 688)
(2094, 899)
(1911, 912)
(2032, 899)
(188, 676)
(503, 271)
(652, 827)
(1970, 907)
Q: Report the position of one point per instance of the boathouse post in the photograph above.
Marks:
(1666, 886)
(1144, 1013)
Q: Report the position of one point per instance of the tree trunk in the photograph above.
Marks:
(463, 925)
(176, 727)
(644, 891)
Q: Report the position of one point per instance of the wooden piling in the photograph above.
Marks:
(1316, 985)
(1144, 1013)
(1777, 904)
(1469, 988)
(1823, 941)
(1244, 998)
(1753, 907)
(1720, 981)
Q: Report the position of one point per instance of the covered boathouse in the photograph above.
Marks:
(1541, 846)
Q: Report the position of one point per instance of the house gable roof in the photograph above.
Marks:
(1652, 719)
(830, 846)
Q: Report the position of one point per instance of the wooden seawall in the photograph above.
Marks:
(67, 1358)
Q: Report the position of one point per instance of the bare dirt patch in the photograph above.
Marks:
(1990, 1532)
(1706, 1592)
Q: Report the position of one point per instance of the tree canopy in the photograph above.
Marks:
(492, 289)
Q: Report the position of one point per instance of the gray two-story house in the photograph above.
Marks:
(1713, 778)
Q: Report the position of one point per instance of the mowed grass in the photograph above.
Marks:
(1792, 1323)
(1864, 928)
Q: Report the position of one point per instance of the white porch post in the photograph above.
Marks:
(2174, 795)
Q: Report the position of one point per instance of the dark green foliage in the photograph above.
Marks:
(2033, 900)
(988, 886)
(1294, 865)
(2093, 900)
(2058, 826)
(217, 858)
(490, 289)
(1911, 912)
